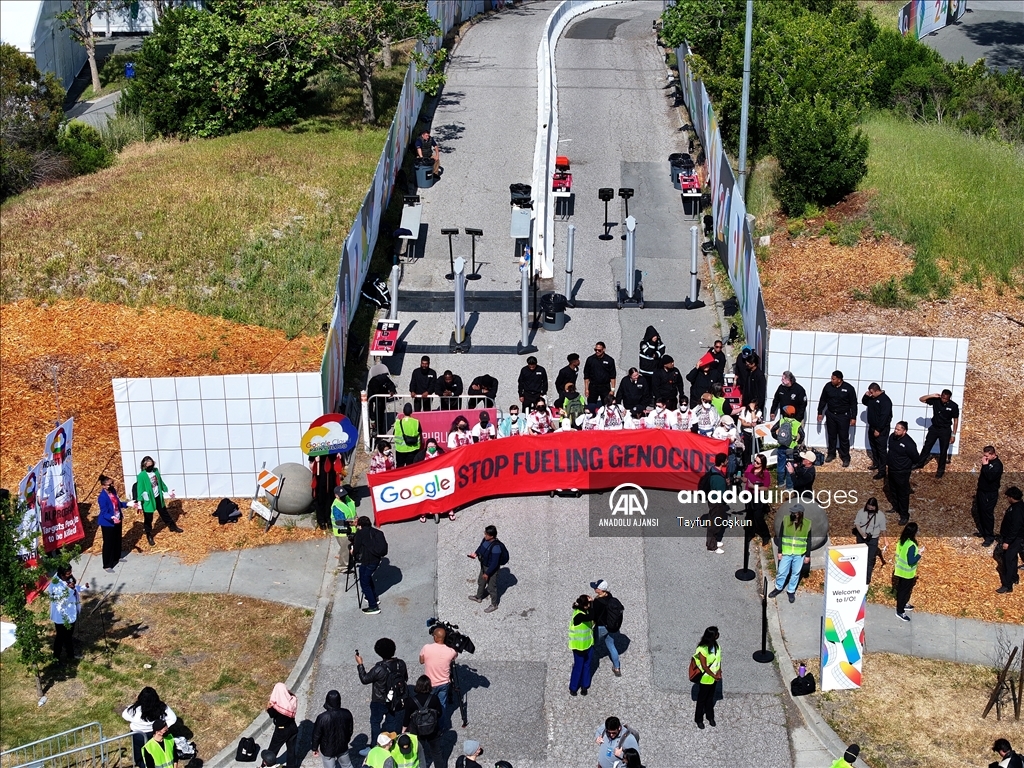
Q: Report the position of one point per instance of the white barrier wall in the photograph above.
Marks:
(906, 367)
(209, 434)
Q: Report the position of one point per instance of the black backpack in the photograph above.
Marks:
(378, 545)
(396, 685)
(503, 555)
(613, 612)
(423, 721)
(247, 750)
(704, 484)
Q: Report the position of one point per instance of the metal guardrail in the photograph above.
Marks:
(380, 412)
(81, 747)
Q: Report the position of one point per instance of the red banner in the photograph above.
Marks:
(590, 461)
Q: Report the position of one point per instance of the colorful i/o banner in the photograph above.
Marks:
(842, 637)
(922, 17)
(592, 460)
(58, 503)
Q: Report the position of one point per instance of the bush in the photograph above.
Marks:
(122, 130)
(821, 156)
(83, 146)
(113, 67)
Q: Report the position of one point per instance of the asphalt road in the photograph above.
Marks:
(991, 29)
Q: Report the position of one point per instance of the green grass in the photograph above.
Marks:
(886, 12)
(956, 198)
(248, 227)
(761, 201)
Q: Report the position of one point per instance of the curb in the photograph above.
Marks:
(261, 727)
(815, 723)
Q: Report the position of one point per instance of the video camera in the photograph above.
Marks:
(454, 639)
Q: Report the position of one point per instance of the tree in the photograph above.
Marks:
(358, 30)
(31, 111)
(235, 66)
(78, 21)
(16, 579)
(821, 156)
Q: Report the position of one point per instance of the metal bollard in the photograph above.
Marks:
(570, 246)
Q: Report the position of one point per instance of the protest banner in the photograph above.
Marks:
(591, 460)
(58, 503)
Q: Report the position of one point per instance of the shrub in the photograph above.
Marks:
(113, 67)
(122, 130)
(83, 146)
(821, 155)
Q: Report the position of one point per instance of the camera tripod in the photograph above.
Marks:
(456, 688)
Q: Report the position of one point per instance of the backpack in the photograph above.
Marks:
(694, 672)
(396, 687)
(704, 484)
(503, 555)
(626, 731)
(424, 719)
(785, 433)
(613, 612)
(574, 408)
(247, 750)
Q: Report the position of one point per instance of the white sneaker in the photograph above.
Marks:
(719, 551)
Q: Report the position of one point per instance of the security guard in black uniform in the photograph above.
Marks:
(838, 406)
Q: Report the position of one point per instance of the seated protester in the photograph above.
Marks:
(382, 459)
(634, 394)
(726, 430)
(661, 417)
(704, 418)
(460, 434)
(572, 405)
(431, 450)
(748, 417)
(482, 386)
(540, 422)
(513, 423)
(718, 400)
(484, 430)
(611, 415)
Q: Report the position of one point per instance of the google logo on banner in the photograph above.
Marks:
(413, 490)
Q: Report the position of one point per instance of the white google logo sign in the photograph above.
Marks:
(413, 490)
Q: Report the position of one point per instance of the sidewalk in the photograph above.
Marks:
(284, 573)
(927, 635)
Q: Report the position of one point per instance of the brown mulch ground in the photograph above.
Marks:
(956, 576)
(90, 344)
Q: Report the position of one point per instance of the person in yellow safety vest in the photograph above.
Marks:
(343, 523)
(789, 433)
(158, 752)
(581, 643)
(407, 752)
(849, 758)
(794, 550)
(708, 658)
(408, 435)
(380, 755)
(908, 555)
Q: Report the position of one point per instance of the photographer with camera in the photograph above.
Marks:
(390, 679)
(424, 720)
(437, 659)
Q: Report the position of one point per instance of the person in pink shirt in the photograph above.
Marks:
(756, 476)
(437, 660)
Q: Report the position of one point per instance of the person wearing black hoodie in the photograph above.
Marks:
(652, 350)
(668, 383)
(789, 393)
(1011, 539)
(424, 699)
(634, 393)
(332, 732)
(701, 381)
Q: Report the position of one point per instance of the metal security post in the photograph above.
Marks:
(633, 293)
(570, 246)
(450, 232)
(460, 339)
(525, 267)
(691, 300)
(396, 271)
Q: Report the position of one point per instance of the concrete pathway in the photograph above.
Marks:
(991, 29)
(284, 573)
(96, 112)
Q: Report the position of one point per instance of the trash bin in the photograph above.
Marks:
(552, 308)
(676, 163)
(424, 172)
(691, 204)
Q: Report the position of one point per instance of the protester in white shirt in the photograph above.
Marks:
(513, 424)
(661, 417)
(65, 603)
(539, 422)
(704, 416)
(613, 416)
(460, 434)
(484, 430)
